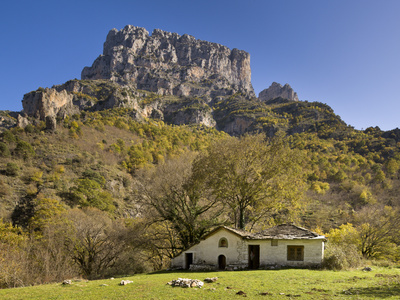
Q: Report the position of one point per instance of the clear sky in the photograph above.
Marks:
(344, 53)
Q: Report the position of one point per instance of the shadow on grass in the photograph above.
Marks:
(188, 271)
(231, 271)
(384, 291)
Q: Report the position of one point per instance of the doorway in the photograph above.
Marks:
(254, 257)
(188, 260)
(221, 262)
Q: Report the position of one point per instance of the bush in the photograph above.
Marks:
(4, 151)
(341, 257)
(29, 128)
(8, 136)
(24, 149)
(12, 169)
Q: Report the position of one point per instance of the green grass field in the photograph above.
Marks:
(380, 283)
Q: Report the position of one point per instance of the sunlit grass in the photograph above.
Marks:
(277, 284)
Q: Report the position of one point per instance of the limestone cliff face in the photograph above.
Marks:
(276, 90)
(169, 64)
(46, 102)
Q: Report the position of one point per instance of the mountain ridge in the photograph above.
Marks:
(174, 78)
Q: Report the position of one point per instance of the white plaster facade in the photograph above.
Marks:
(236, 255)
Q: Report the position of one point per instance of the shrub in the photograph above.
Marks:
(341, 257)
(8, 136)
(12, 169)
(24, 149)
(4, 151)
(29, 128)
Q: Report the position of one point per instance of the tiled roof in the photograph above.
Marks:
(242, 233)
(283, 231)
(288, 232)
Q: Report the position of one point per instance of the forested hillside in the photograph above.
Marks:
(148, 189)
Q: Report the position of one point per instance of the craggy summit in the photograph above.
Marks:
(169, 64)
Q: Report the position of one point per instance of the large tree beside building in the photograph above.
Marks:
(255, 179)
(172, 193)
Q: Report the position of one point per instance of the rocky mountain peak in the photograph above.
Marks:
(276, 90)
(169, 64)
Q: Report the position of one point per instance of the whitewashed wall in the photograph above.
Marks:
(271, 255)
(207, 251)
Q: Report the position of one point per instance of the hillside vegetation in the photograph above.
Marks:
(106, 194)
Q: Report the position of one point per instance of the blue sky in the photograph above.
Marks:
(344, 53)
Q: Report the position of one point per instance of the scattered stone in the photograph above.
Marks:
(125, 282)
(210, 280)
(265, 294)
(367, 269)
(229, 288)
(186, 283)
(112, 278)
(241, 293)
(67, 282)
(103, 284)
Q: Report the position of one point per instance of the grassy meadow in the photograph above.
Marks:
(380, 283)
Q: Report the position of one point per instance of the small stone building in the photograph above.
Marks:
(231, 249)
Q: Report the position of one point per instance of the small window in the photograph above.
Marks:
(295, 253)
(223, 242)
(274, 242)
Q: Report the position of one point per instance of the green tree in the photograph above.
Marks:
(4, 151)
(89, 193)
(46, 213)
(255, 179)
(24, 150)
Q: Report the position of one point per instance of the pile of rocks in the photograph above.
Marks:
(186, 283)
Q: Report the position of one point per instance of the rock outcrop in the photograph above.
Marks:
(169, 64)
(47, 102)
(275, 91)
